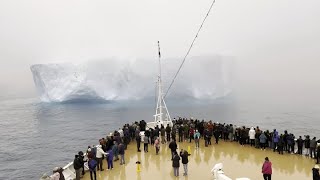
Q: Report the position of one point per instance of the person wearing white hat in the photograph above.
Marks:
(315, 173)
(196, 138)
(99, 156)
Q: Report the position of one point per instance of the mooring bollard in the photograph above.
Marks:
(138, 166)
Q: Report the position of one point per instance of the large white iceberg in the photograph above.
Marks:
(115, 79)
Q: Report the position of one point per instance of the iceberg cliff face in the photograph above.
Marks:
(201, 77)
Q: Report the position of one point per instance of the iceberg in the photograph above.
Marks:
(116, 79)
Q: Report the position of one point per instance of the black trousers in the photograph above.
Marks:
(174, 138)
(145, 147)
(217, 139)
(168, 137)
(312, 152)
(100, 163)
(95, 174)
(267, 176)
(252, 142)
(275, 146)
(190, 137)
(299, 149)
(138, 145)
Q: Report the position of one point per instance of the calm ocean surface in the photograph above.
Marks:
(36, 137)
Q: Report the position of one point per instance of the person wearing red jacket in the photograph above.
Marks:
(267, 169)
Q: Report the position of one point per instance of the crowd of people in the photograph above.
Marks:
(182, 129)
(188, 129)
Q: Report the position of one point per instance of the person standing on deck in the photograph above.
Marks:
(275, 139)
(290, 142)
(163, 134)
(77, 166)
(81, 157)
(280, 144)
(176, 164)
(115, 151)
(252, 134)
(168, 132)
(307, 145)
(216, 134)
(180, 132)
(138, 140)
(110, 159)
(257, 137)
(206, 137)
(285, 140)
(173, 133)
(300, 145)
(92, 168)
(267, 169)
(121, 149)
(173, 146)
(99, 155)
(145, 143)
(152, 137)
(184, 156)
(315, 173)
(197, 138)
(263, 140)
(191, 134)
(157, 145)
(318, 153)
(313, 145)
(231, 132)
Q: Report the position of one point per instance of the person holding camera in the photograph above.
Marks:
(184, 156)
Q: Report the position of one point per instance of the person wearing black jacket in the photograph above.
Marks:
(81, 157)
(318, 154)
(313, 145)
(77, 166)
(216, 135)
(138, 140)
(173, 146)
(184, 156)
(307, 145)
(176, 163)
(300, 145)
(180, 132)
(168, 132)
(315, 173)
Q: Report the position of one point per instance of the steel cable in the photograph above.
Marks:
(185, 57)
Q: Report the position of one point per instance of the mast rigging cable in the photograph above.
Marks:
(194, 39)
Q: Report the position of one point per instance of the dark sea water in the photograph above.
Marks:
(36, 137)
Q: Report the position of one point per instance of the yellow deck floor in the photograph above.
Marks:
(238, 162)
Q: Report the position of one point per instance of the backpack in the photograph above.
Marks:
(197, 136)
(92, 164)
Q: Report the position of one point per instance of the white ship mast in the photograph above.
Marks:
(162, 115)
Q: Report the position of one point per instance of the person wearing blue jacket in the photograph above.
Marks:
(115, 151)
(92, 163)
(110, 159)
(275, 139)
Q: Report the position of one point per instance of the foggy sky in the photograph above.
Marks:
(275, 43)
